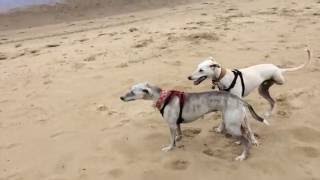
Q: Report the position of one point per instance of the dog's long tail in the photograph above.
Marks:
(255, 115)
(307, 62)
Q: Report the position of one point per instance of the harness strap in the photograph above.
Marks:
(167, 100)
(233, 83)
(181, 99)
(242, 82)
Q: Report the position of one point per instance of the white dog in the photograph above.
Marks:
(243, 81)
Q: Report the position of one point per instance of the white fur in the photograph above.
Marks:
(253, 76)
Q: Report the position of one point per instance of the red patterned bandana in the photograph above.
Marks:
(163, 96)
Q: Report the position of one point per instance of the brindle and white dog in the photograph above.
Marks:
(195, 105)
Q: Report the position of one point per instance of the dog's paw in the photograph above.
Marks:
(218, 130)
(178, 138)
(240, 158)
(267, 114)
(255, 142)
(238, 142)
(167, 149)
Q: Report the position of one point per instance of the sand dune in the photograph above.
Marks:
(61, 117)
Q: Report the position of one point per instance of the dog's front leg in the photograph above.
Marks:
(173, 133)
(220, 128)
(179, 133)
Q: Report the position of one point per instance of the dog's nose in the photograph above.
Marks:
(122, 98)
(189, 77)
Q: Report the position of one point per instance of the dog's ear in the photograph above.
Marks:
(147, 84)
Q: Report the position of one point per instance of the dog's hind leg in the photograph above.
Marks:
(264, 92)
(246, 148)
(179, 133)
(250, 133)
(173, 133)
(245, 137)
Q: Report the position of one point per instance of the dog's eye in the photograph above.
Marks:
(200, 70)
(214, 66)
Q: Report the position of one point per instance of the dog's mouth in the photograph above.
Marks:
(125, 99)
(199, 80)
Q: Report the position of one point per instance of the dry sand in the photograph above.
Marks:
(61, 117)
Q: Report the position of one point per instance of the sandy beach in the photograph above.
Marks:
(60, 82)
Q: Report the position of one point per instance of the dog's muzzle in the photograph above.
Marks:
(199, 80)
(122, 98)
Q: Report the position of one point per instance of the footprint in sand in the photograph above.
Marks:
(55, 135)
(52, 45)
(177, 165)
(133, 29)
(112, 34)
(17, 45)
(78, 66)
(34, 51)
(90, 58)
(143, 43)
(305, 134)
(3, 57)
(218, 153)
(306, 151)
(10, 146)
(18, 55)
(102, 108)
(84, 40)
(191, 132)
(316, 14)
(117, 172)
(202, 36)
(122, 65)
(190, 28)
(208, 152)
(47, 82)
(102, 34)
(283, 114)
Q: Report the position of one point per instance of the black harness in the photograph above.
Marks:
(236, 73)
(181, 97)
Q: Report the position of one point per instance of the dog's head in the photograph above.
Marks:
(138, 91)
(209, 68)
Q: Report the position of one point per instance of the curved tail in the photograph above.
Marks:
(301, 66)
(255, 115)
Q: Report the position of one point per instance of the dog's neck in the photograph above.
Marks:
(227, 78)
(156, 91)
(223, 72)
